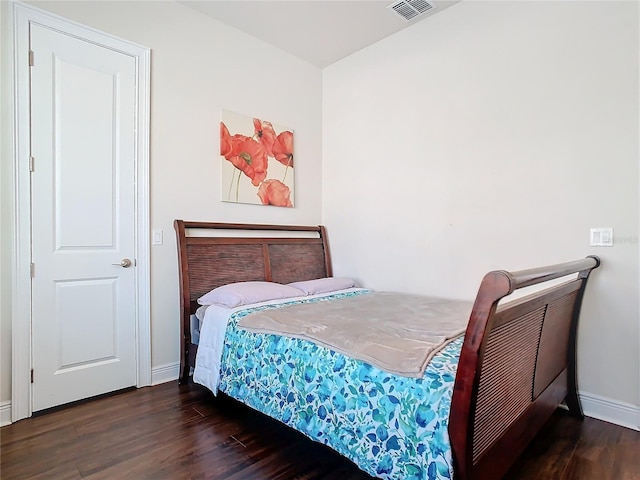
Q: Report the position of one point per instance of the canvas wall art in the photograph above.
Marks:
(257, 161)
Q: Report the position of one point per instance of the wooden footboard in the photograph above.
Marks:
(518, 363)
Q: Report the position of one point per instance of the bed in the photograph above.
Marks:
(495, 386)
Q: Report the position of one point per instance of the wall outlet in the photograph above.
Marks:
(602, 237)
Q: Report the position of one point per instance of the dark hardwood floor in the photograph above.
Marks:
(171, 432)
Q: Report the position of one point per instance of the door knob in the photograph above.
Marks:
(125, 263)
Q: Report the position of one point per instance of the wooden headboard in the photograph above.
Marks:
(207, 260)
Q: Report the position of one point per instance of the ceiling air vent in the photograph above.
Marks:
(410, 9)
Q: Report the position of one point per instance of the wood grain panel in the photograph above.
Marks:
(506, 378)
(553, 351)
(296, 262)
(211, 266)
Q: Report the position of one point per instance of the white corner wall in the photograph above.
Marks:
(198, 67)
(493, 135)
(6, 146)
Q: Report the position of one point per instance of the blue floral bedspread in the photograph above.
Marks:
(390, 426)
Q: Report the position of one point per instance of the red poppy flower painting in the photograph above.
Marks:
(283, 149)
(274, 192)
(266, 134)
(257, 161)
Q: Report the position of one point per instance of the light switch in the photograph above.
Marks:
(602, 237)
(157, 237)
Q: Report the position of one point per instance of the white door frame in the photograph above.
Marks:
(23, 16)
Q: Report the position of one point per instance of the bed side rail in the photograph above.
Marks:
(516, 366)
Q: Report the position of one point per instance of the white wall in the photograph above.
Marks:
(198, 67)
(494, 135)
(6, 146)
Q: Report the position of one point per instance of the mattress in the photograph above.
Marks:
(391, 426)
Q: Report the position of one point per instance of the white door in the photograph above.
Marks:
(83, 140)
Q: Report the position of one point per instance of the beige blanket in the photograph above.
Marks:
(398, 333)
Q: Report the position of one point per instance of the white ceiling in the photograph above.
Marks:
(318, 31)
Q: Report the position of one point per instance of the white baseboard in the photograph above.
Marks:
(165, 373)
(5, 413)
(612, 411)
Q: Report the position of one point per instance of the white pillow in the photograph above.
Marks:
(323, 285)
(244, 293)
